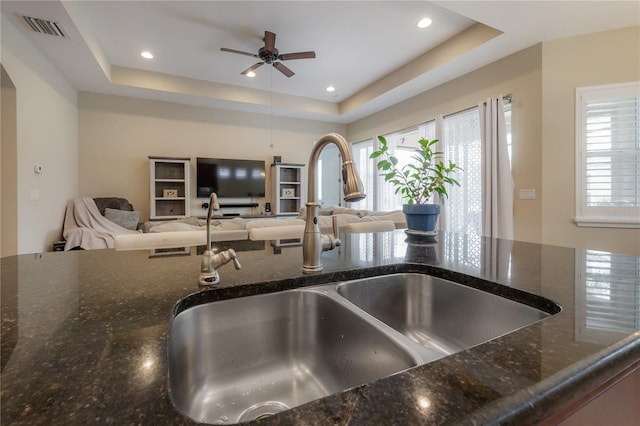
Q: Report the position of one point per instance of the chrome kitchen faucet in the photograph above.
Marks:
(314, 243)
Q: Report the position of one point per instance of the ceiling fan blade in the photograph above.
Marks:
(297, 55)
(283, 69)
(240, 52)
(252, 67)
(269, 41)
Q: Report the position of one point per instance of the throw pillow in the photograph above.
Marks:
(126, 219)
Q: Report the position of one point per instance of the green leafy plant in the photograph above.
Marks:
(420, 179)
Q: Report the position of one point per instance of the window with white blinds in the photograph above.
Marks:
(608, 155)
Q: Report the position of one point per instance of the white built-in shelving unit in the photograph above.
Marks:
(169, 187)
(287, 190)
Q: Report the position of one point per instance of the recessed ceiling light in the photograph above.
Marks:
(146, 54)
(250, 74)
(331, 89)
(424, 23)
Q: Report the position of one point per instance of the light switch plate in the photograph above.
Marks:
(527, 194)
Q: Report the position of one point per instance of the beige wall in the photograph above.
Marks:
(8, 167)
(47, 127)
(117, 134)
(594, 59)
(519, 74)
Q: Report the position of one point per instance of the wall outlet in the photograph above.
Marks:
(527, 194)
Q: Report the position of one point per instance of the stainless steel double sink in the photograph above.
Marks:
(241, 359)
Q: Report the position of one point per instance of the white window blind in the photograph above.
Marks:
(608, 155)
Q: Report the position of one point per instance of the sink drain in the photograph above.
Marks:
(262, 410)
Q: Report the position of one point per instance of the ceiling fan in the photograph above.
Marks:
(270, 55)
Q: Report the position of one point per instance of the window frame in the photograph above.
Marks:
(599, 216)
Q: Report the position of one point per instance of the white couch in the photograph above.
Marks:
(192, 231)
(345, 216)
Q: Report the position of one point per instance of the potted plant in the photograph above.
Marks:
(417, 181)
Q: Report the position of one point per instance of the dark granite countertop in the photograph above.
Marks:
(84, 334)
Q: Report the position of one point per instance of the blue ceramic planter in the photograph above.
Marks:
(421, 217)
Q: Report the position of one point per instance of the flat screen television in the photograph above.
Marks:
(230, 178)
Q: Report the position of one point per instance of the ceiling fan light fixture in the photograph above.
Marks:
(146, 54)
(250, 74)
(424, 22)
(268, 54)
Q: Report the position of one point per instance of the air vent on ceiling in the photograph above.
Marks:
(46, 27)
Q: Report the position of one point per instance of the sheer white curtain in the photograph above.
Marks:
(368, 173)
(474, 139)
(497, 182)
(462, 210)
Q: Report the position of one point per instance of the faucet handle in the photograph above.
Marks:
(234, 257)
(329, 242)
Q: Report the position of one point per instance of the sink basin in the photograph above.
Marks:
(437, 314)
(246, 358)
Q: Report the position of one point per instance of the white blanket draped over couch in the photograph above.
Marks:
(86, 228)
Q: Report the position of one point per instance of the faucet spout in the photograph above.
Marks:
(351, 183)
(211, 261)
(314, 243)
